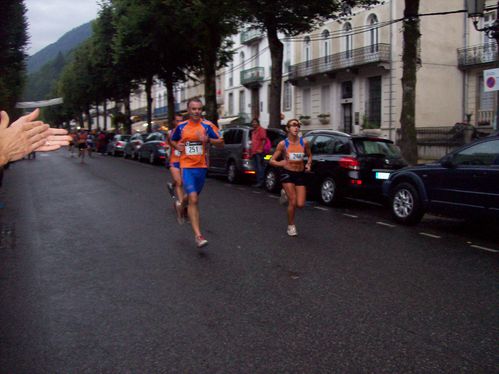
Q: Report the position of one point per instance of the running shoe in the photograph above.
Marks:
(171, 189)
(179, 210)
(283, 199)
(292, 230)
(201, 241)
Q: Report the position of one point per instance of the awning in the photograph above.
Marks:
(226, 121)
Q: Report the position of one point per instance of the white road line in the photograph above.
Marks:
(484, 248)
(257, 192)
(350, 215)
(385, 224)
(273, 196)
(321, 208)
(430, 235)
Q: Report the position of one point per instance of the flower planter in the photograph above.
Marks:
(324, 120)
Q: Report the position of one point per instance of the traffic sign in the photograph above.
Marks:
(491, 80)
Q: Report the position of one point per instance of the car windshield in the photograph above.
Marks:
(125, 138)
(370, 147)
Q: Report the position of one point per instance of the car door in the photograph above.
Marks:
(469, 180)
(323, 159)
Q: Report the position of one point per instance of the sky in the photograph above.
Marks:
(48, 20)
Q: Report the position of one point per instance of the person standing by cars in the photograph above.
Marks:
(258, 138)
(291, 154)
(191, 138)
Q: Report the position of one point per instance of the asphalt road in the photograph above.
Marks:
(97, 276)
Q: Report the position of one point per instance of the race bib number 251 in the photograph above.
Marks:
(194, 148)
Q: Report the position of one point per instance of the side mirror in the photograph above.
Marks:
(446, 162)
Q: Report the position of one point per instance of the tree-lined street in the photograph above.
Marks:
(97, 276)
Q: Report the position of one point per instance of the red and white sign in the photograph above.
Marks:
(491, 80)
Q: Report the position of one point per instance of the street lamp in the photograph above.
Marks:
(475, 9)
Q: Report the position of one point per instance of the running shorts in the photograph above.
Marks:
(82, 146)
(193, 179)
(295, 177)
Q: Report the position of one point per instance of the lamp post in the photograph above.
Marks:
(475, 9)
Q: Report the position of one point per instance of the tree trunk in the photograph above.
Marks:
(105, 115)
(128, 115)
(170, 100)
(97, 120)
(276, 55)
(89, 119)
(210, 90)
(149, 82)
(411, 35)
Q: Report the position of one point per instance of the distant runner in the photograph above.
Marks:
(176, 188)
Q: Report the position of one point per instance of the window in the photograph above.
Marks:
(228, 136)
(286, 100)
(372, 22)
(346, 90)
(306, 102)
(325, 99)
(287, 56)
(374, 101)
(486, 153)
(307, 50)
(231, 103)
(323, 145)
(231, 74)
(326, 49)
(241, 59)
(347, 40)
(242, 101)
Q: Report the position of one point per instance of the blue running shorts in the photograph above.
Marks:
(193, 179)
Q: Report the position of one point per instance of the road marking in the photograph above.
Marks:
(350, 215)
(484, 248)
(321, 208)
(257, 192)
(385, 224)
(430, 235)
(273, 196)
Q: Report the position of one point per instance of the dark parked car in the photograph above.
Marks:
(133, 145)
(117, 144)
(233, 159)
(348, 165)
(154, 148)
(464, 183)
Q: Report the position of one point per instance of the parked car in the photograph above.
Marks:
(463, 183)
(347, 165)
(233, 159)
(117, 144)
(134, 143)
(154, 148)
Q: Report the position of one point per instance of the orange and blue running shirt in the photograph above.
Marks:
(188, 132)
(295, 152)
(174, 154)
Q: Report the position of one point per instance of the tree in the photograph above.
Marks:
(411, 35)
(13, 40)
(290, 17)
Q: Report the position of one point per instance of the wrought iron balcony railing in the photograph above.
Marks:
(250, 35)
(252, 76)
(477, 55)
(338, 61)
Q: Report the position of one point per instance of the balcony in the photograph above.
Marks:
(483, 55)
(250, 36)
(358, 57)
(252, 77)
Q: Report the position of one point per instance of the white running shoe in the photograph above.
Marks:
(201, 241)
(292, 230)
(283, 199)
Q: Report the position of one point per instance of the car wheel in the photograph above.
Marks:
(271, 180)
(114, 152)
(329, 192)
(152, 159)
(406, 204)
(232, 175)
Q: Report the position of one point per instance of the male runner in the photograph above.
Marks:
(192, 138)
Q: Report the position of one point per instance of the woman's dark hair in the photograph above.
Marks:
(255, 120)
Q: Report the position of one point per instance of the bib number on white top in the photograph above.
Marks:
(194, 148)
(296, 157)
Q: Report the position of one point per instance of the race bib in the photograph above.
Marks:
(295, 156)
(194, 148)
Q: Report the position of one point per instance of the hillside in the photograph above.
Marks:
(66, 43)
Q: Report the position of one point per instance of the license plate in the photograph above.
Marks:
(382, 175)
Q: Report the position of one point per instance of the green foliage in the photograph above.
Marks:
(40, 84)
(13, 39)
